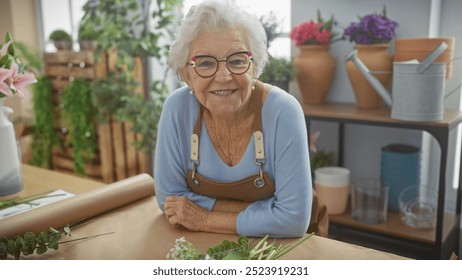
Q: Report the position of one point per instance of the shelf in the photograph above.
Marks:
(394, 227)
(394, 235)
(353, 114)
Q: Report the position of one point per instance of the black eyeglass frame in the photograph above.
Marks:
(225, 60)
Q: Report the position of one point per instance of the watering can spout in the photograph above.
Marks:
(375, 83)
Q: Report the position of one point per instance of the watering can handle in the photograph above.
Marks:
(432, 57)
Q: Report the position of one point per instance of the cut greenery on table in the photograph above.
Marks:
(229, 250)
(31, 243)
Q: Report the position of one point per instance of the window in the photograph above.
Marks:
(59, 14)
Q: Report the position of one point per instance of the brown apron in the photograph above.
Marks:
(252, 188)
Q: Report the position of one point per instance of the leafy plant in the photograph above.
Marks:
(77, 113)
(144, 114)
(87, 30)
(278, 70)
(30, 243)
(32, 59)
(229, 250)
(59, 35)
(320, 158)
(124, 26)
(44, 133)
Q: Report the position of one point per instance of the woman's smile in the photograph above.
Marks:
(223, 92)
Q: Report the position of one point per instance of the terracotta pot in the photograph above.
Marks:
(379, 62)
(420, 48)
(315, 72)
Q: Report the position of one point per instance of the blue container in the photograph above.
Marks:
(399, 169)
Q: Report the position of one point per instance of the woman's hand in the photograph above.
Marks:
(180, 210)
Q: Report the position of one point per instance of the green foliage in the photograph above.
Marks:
(33, 61)
(144, 114)
(77, 114)
(60, 34)
(87, 30)
(127, 27)
(229, 250)
(44, 134)
(123, 25)
(278, 70)
(30, 243)
(107, 94)
(320, 159)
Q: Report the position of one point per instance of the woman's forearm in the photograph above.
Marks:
(220, 222)
(229, 206)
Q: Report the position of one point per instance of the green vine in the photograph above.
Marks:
(144, 114)
(77, 114)
(44, 134)
(30, 243)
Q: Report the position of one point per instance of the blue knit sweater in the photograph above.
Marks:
(287, 213)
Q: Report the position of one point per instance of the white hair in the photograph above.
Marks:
(218, 16)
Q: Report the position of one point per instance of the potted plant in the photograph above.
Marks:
(61, 39)
(315, 66)
(278, 72)
(371, 35)
(88, 34)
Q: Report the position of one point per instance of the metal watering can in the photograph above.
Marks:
(418, 88)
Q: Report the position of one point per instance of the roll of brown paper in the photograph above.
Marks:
(79, 207)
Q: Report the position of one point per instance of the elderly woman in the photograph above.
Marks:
(232, 152)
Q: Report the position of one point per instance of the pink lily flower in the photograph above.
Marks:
(20, 81)
(4, 87)
(5, 73)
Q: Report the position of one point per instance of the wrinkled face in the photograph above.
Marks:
(224, 93)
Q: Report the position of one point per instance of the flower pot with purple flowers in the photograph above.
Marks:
(371, 36)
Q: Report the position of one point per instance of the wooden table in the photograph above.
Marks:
(139, 230)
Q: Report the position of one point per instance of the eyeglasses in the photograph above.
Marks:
(206, 65)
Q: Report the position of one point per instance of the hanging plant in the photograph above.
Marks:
(77, 113)
(44, 133)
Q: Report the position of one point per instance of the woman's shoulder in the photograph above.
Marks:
(180, 99)
(281, 100)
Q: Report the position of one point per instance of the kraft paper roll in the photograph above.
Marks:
(79, 207)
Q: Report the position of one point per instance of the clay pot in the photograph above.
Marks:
(419, 48)
(315, 72)
(379, 62)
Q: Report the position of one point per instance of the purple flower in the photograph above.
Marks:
(372, 29)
